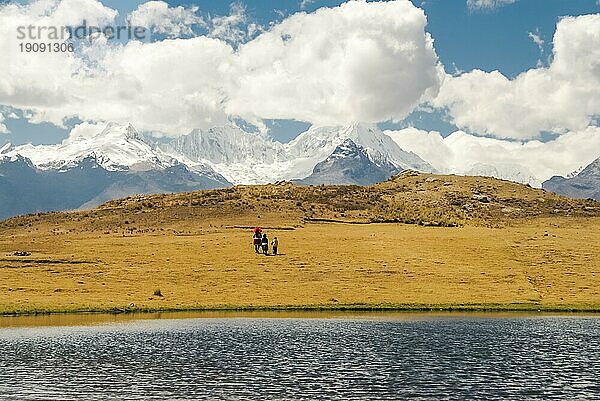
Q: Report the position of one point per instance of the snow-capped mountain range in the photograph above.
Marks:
(241, 157)
(116, 161)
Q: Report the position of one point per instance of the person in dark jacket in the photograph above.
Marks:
(265, 244)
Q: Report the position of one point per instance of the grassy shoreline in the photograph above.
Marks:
(317, 308)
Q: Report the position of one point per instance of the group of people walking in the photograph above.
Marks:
(261, 242)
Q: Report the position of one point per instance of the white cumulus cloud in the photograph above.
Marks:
(234, 28)
(86, 129)
(356, 62)
(563, 97)
(532, 161)
(171, 21)
(475, 5)
(537, 39)
(44, 84)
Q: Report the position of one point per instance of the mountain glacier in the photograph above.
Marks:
(249, 158)
(239, 156)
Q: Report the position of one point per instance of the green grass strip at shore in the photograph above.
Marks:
(514, 307)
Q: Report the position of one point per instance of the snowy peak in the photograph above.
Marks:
(324, 139)
(319, 142)
(15, 161)
(126, 131)
(348, 149)
(239, 156)
(116, 147)
(112, 131)
(591, 171)
(586, 184)
(5, 148)
(349, 164)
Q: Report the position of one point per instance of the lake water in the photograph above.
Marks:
(343, 357)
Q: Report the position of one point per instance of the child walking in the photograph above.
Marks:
(274, 245)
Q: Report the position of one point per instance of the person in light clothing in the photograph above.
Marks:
(274, 245)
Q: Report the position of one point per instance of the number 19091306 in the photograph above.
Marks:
(36, 47)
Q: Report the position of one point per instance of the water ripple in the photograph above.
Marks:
(541, 358)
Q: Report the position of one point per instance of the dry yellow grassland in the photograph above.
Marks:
(472, 243)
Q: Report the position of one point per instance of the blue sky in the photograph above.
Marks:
(465, 39)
